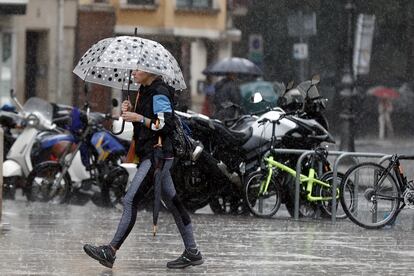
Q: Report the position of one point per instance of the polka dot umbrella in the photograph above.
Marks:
(110, 61)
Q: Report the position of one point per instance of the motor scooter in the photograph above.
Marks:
(36, 117)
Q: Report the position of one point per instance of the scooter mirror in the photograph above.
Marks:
(316, 79)
(115, 102)
(256, 98)
(290, 85)
(15, 100)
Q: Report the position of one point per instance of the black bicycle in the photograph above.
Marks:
(380, 193)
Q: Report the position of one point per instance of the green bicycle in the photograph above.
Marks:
(266, 189)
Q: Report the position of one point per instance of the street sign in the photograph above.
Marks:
(300, 51)
(363, 44)
(256, 48)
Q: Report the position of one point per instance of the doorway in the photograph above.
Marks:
(6, 66)
(37, 56)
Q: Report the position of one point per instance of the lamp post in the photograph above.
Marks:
(347, 85)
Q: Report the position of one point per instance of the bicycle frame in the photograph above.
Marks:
(394, 167)
(311, 180)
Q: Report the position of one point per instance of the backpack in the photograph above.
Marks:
(183, 144)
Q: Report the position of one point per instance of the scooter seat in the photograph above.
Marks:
(51, 140)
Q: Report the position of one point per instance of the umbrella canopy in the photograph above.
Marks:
(110, 61)
(233, 65)
(383, 92)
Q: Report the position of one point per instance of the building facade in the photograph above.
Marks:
(197, 32)
(42, 40)
(8, 11)
(40, 45)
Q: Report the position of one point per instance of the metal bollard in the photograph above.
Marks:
(1, 168)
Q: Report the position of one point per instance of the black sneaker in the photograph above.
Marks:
(104, 254)
(186, 259)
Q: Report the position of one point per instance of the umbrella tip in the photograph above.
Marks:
(154, 230)
(136, 31)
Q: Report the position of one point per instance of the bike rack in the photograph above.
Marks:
(341, 155)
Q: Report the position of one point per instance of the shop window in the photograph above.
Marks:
(141, 2)
(194, 4)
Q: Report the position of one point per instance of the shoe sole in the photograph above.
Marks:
(199, 262)
(100, 260)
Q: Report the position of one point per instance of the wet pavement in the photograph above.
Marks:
(47, 239)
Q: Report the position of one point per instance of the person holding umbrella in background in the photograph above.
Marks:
(384, 117)
(156, 75)
(227, 97)
(385, 95)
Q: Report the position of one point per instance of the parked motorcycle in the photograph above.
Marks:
(89, 156)
(37, 118)
(232, 153)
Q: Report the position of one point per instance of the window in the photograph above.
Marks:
(141, 2)
(194, 4)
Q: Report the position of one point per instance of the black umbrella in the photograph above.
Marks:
(158, 164)
(233, 65)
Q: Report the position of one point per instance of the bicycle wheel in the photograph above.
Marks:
(326, 206)
(375, 198)
(262, 204)
(41, 186)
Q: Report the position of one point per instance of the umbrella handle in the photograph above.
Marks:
(159, 144)
(122, 129)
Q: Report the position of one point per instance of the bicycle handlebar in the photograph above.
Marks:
(405, 157)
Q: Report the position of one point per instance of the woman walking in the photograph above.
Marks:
(153, 120)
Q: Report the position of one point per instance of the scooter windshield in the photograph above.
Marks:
(308, 90)
(40, 108)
